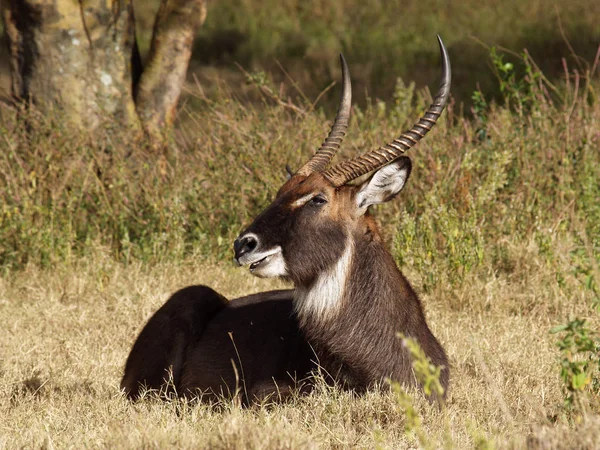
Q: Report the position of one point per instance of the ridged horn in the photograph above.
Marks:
(330, 146)
(353, 168)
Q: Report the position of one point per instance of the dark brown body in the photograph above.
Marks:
(199, 343)
(361, 344)
(255, 347)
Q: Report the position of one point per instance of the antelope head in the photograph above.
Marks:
(316, 217)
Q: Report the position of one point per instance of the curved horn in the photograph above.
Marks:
(330, 146)
(367, 162)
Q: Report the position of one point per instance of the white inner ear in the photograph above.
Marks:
(383, 186)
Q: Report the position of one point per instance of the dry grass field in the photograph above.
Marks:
(498, 230)
(500, 241)
(67, 331)
(497, 262)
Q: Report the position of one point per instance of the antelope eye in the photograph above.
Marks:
(318, 200)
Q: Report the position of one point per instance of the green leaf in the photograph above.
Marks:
(558, 329)
(580, 381)
(589, 281)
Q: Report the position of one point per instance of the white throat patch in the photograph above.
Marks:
(323, 298)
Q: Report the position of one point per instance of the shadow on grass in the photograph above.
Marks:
(471, 65)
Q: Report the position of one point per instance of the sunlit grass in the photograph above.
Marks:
(498, 230)
(67, 333)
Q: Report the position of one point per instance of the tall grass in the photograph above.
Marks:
(385, 38)
(498, 229)
(523, 170)
(380, 39)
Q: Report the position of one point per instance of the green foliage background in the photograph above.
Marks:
(526, 168)
(386, 39)
(515, 164)
(504, 191)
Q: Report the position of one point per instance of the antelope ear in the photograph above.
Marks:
(384, 185)
(289, 173)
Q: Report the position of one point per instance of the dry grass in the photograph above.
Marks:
(67, 332)
(499, 230)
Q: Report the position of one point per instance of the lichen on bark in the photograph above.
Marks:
(177, 22)
(79, 58)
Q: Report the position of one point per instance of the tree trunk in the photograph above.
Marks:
(80, 57)
(160, 86)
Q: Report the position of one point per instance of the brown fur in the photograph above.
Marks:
(260, 346)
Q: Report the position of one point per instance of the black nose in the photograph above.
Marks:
(244, 244)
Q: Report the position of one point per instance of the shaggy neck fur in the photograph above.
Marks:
(322, 299)
(352, 313)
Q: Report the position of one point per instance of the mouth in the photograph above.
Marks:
(266, 264)
(256, 261)
(255, 265)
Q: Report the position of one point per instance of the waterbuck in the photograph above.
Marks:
(349, 299)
